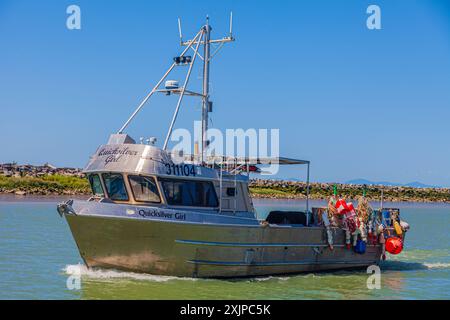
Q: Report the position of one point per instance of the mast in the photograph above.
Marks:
(203, 37)
(206, 108)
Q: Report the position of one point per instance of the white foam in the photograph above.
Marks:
(270, 278)
(437, 265)
(116, 274)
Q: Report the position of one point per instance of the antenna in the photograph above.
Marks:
(207, 56)
(179, 31)
(382, 198)
(231, 24)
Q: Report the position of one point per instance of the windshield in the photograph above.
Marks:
(96, 185)
(144, 189)
(115, 186)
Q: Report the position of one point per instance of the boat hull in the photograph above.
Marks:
(211, 250)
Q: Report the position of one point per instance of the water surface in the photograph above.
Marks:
(36, 249)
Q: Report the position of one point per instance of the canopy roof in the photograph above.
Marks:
(254, 161)
(281, 160)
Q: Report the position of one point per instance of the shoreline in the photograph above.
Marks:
(288, 202)
(58, 185)
(281, 189)
(326, 198)
(8, 197)
(12, 197)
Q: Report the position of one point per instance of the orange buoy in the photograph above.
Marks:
(394, 245)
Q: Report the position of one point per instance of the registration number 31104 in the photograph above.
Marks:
(180, 170)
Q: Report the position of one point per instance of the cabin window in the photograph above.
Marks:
(115, 186)
(96, 185)
(231, 192)
(144, 189)
(189, 193)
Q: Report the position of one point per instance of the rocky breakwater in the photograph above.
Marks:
(284, 189)
(41, 180)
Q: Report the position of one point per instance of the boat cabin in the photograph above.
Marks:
(125, 172)
(139, 174)
(147, 189)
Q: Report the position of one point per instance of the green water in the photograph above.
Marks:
(36, 248)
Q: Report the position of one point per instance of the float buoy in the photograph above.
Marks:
(341, 206)
(360, 247)
(394, 245)
(398, 228)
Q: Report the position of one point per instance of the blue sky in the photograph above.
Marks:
(356, 102)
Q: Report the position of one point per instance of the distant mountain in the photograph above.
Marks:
(415, 184)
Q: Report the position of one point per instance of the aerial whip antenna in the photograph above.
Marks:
(179, 31)
(231, 24)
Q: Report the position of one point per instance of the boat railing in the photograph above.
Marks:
(234, 166)
(229, 166)
(226, 167)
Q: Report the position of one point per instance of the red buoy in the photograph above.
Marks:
(394, 245)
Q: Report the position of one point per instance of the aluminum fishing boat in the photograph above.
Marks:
(155, 214)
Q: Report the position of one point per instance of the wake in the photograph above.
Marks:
(104, 274)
